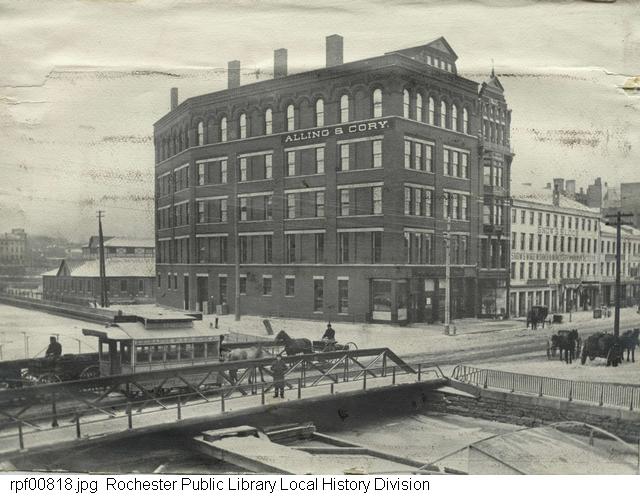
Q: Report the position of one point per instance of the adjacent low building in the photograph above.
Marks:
(117, 246)
(128, 280)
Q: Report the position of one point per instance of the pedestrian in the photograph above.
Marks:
(278, 369)
(54, 350)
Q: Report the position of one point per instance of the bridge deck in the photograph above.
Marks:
(122, 423)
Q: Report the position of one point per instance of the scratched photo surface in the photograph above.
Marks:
(81, 87)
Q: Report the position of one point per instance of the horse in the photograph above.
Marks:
(242, 354)
(603, 345)
(294, 346)
(567, 342)
(629, 342)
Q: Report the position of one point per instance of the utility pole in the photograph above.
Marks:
(236, 245)
(447, 278)
(618, 225)
(104, 298)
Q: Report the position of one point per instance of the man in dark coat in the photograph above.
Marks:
(329, 334)
(278, 369)
(55, 348)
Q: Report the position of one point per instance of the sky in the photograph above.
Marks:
(82, 83)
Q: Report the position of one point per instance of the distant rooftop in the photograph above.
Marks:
(544, 196)
(121, 241)
(122, 267)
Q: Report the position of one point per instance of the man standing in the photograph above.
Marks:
(54, 350)
(278, 369)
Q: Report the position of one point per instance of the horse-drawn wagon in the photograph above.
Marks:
(566, 342)
(603, 345)
(537, 315)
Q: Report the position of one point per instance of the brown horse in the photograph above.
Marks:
(242, 354)
(294, 346)
(629, 342)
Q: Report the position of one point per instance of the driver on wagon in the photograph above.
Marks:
(329, 336)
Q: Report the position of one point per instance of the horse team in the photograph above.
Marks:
(570, 346)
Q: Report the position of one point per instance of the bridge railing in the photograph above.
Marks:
(625, 396)
(126, 412)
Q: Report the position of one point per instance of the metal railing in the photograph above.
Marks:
(603, 394)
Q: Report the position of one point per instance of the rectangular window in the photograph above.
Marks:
(319, 248)
(376, 247)
(268, 166)
(268, 207)
(320, 204)
(407, 154)
(243, 169)
(344, 202)
(291, 206)
(344, 157)
(202, 214)
(319, 160)
(464, 165)
(268, 248)
(123, 286)
(223, 172)
(201, 176)
(417, 157)
(377, 200)
(428, 154)
(447, 162)
(290, 242)
(243, 209)
(223, 210)
(343, 248)
(377, 153)
(244, 249)
(343, 296)
(266, 285)
(318, 294)
(291, 163)
(243, 284)
(289, 286)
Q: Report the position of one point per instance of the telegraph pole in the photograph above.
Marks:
(447, 278)
(618, 225)
(104, 298)
(236, 250)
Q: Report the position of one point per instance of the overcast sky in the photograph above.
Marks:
(83, 81)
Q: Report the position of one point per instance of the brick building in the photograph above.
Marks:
(116, 246)
(330, 191)
(13, 248)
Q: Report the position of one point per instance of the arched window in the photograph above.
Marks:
(443, 114)
(465, 120)
(432, 111)
(243, 126)
(223, 129)
(344, 108)
(291, 117)
(268, 121)
(406, 103)
(419, 115)
(200, 140)
(454, 117)
(320, 113)
(377, 103)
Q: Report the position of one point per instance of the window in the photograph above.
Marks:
(123, 286)
(266, 285)
(223, 210)
(343, 296)
(243, 126)
(343, 248)
(202, 214)
(376, 247)
(244, 249)
(291, 206)
(320, 113)
(289, 286)
(319, 204)
(223, 172)
(291, 163)
(344, 108)
(344, 202)
(406, 103)
(319, 248)
(432, 111)
(443, 114)
(407, 154)
(268, 166)
(243, 169)
(268, 122)
(201, 174)
(200, 140)
(454, 117)
(243, 284)
(243, 209)
(291, 118)
(320, 160)
(223, 129)
(419, 114)
(268, 248)
(376, 194)
(159, 280)
(465, 120)
(377, 103)
(318, 294)
(290, 243)
(377, 153)
(344, 157)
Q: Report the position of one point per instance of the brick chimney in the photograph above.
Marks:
(279, 63)
(233, 72)
(174, 98)
(334, 50)
(570, 187)
(556, 194)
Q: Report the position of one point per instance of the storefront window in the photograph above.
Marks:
(381, 293)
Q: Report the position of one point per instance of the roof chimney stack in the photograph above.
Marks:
(334, 50)
(279, 63)
(174, 98)
(233, 72)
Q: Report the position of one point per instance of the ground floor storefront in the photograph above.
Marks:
(560, 298)
(386, 294)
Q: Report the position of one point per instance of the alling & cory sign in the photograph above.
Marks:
(344, 129)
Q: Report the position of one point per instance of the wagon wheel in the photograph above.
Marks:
(48, 378)
(90, 372)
